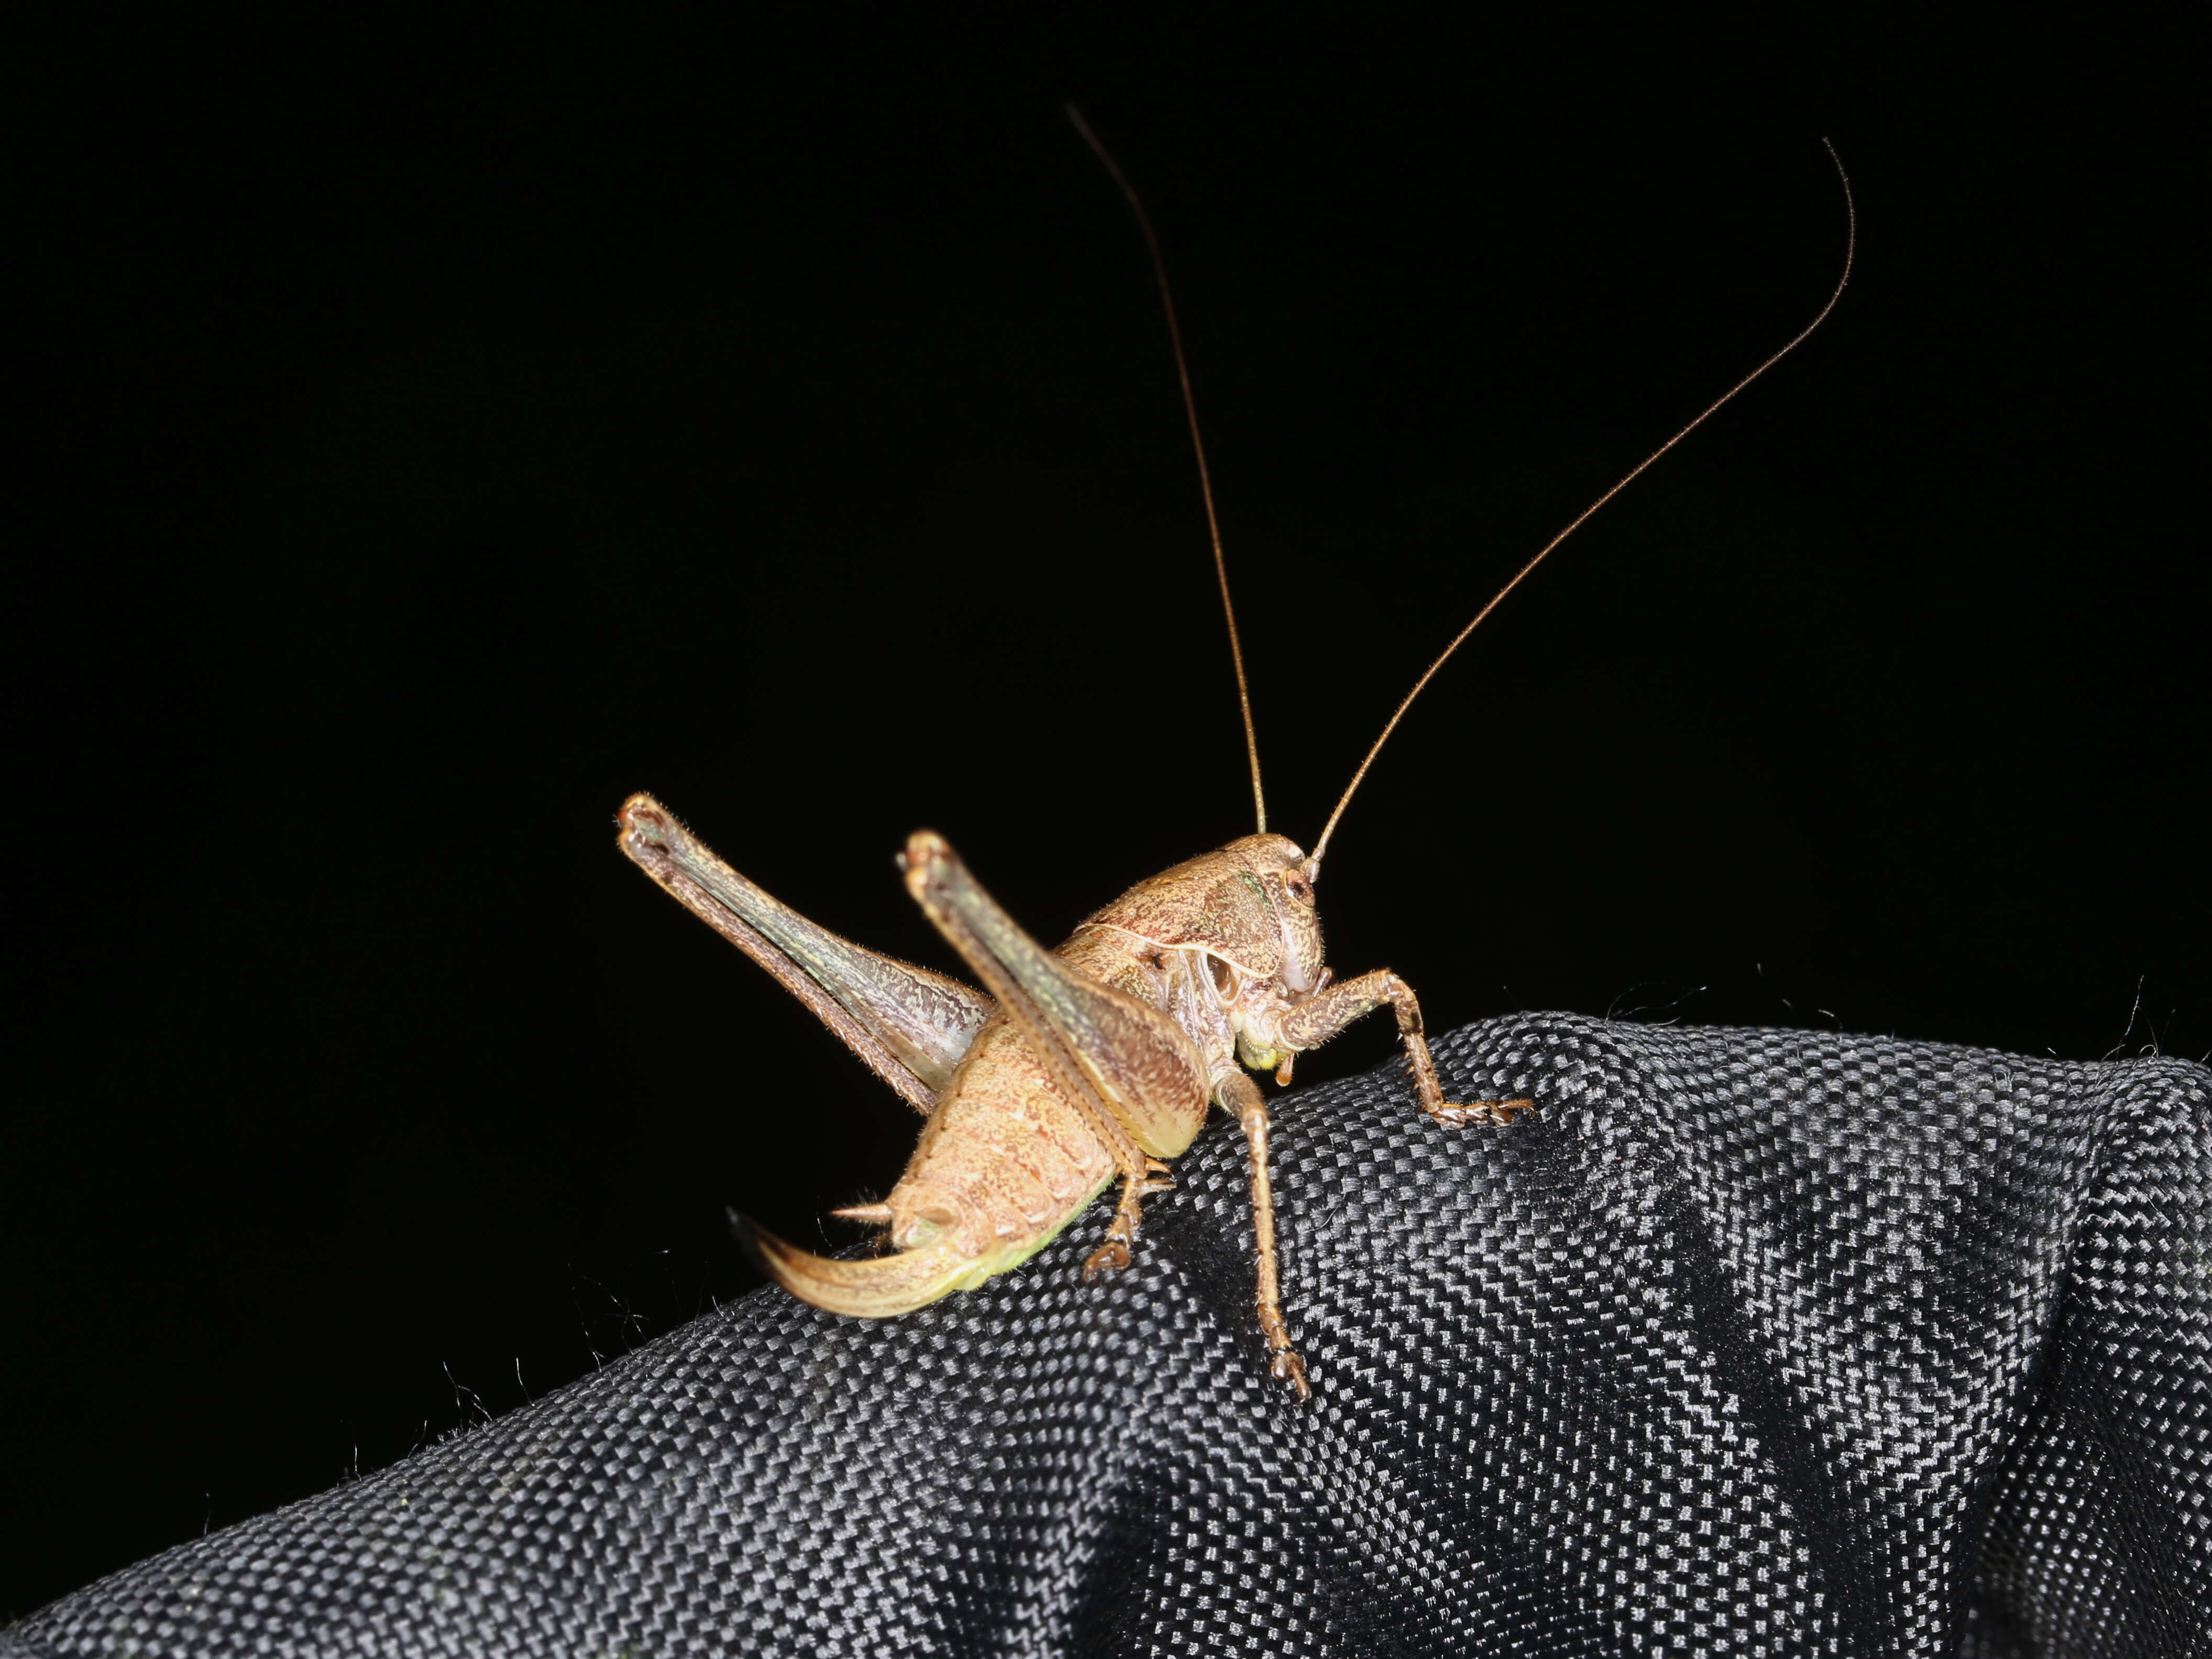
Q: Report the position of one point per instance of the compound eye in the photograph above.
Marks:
(1298, 887)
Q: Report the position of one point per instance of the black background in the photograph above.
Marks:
(429, 435)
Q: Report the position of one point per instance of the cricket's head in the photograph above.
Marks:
(1250, 905)
(1287, 890)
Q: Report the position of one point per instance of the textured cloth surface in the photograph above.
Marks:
(1747, 1342)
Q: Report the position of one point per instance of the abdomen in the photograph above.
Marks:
(1004, 1162)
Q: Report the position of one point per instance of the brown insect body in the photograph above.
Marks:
(1007, 1157)
(1099, 1059)
(1094, 1061)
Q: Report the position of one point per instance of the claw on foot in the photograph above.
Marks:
(1289, 1369)
(1110, 1257)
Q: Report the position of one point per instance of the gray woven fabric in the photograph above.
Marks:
(1749, 1342)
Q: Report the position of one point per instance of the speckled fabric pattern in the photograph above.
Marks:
(1748, 1342)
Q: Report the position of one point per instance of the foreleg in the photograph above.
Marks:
(1318, 1018)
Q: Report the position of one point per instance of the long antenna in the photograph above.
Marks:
(1851, 249)
(1197, 443)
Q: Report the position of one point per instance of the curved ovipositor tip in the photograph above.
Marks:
(874, 1287)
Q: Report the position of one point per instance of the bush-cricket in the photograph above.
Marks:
(1095, 1061)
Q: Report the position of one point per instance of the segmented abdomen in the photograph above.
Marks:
(1004, 1162)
